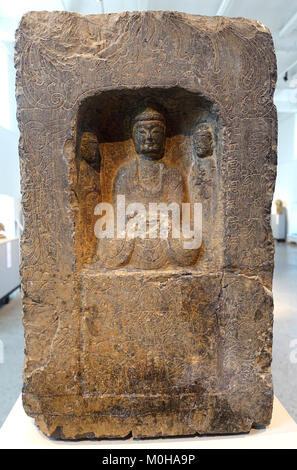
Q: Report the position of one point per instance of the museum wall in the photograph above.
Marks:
(9, 134)
(9, 175)
(286, 188)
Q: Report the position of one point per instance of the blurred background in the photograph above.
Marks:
(281, 17)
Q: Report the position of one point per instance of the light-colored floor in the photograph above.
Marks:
(285, 332)
(11, 335)
(284, 370)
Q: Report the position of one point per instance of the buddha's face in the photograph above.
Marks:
(203, 142)
(149, 138)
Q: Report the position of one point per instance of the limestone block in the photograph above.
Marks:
(143, 337)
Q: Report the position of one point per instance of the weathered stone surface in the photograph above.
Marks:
(143, 338)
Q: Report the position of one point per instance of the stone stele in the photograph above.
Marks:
(137, 336)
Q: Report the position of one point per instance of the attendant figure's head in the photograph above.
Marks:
(148, 132)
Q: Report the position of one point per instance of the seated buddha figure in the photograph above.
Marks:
(149, 181)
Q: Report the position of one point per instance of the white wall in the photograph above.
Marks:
(9, 166)
(286, 181)
(9, 135)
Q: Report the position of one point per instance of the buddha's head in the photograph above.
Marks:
(148, 133)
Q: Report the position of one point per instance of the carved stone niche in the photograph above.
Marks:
(141, 336)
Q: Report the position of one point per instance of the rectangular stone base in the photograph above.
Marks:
(158, 357)
(19, 432)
